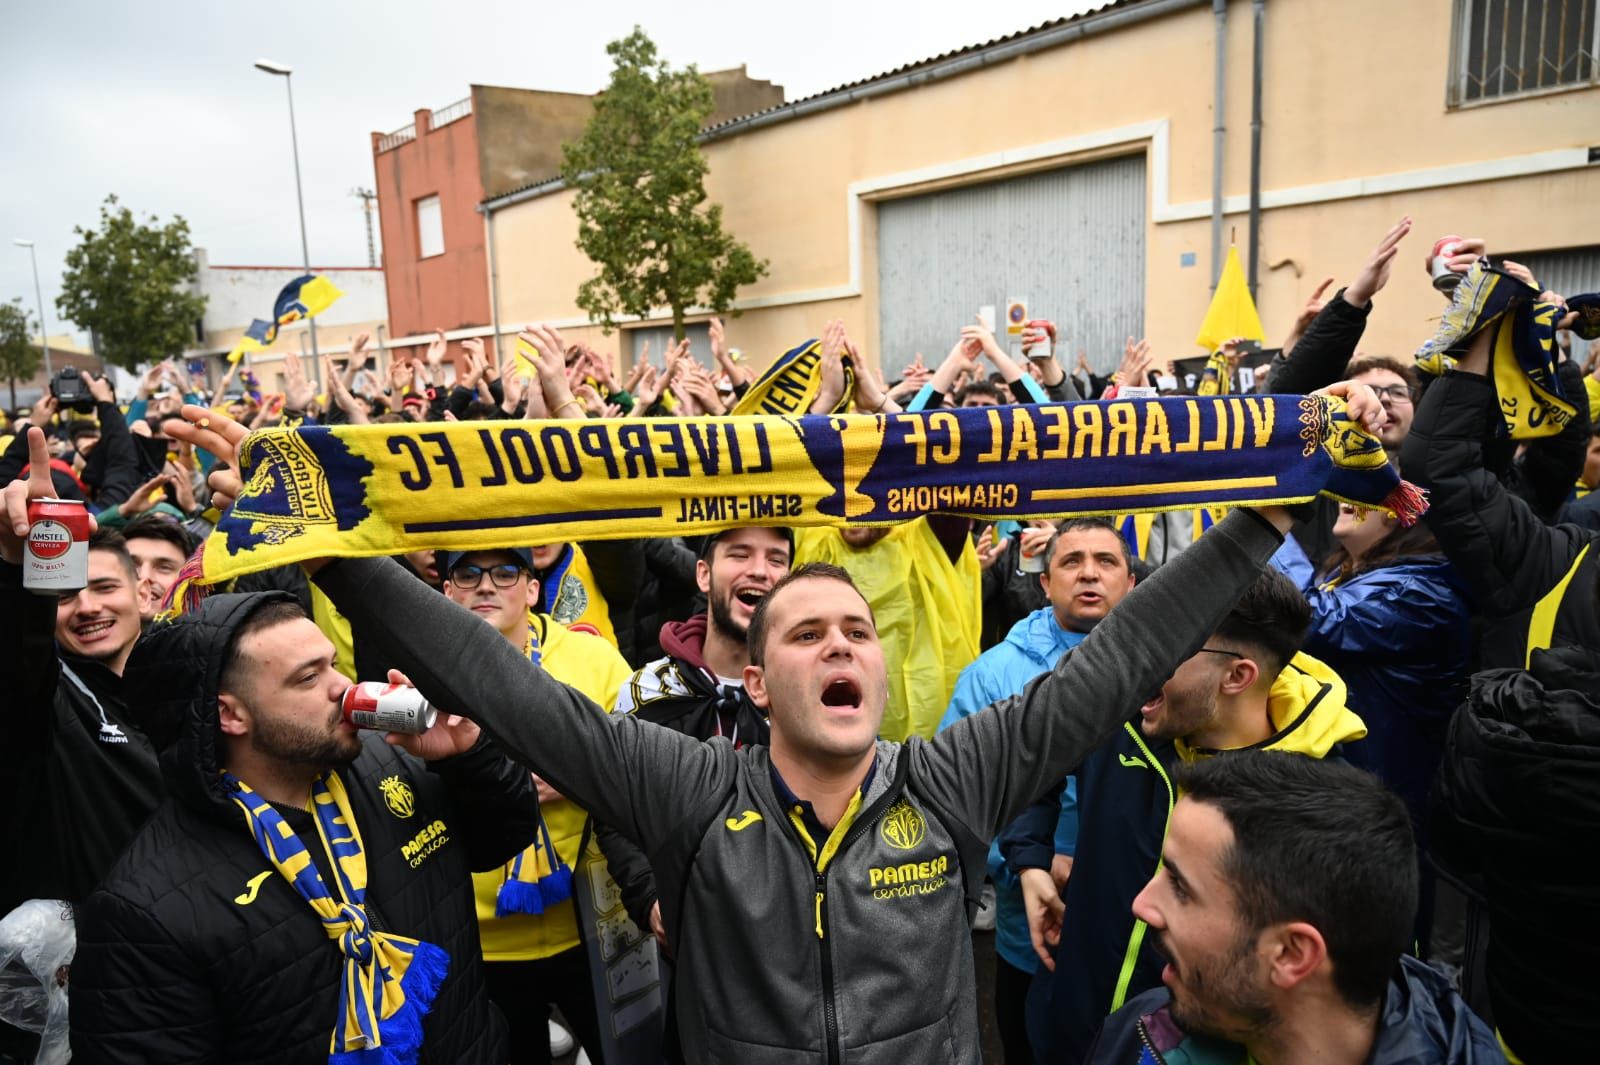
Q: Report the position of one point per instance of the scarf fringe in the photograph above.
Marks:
(1407, 503)
(190, 589)
(536, 896)
(402, 1033)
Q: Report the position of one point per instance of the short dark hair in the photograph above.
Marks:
(1321, 842)
(81, 428)
(112, 542)
(154, 527)
(271, 613)
(1405, 369)
(1082, 525)
(708, 544)
(980, 388)
(756, 639)
(1271, 617)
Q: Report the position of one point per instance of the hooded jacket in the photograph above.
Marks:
(1518, 794)
(1424, 1022)
(855, 948)
(1125, 798)
(194, 949)
(679, 692)
(1033, 646)
(79, 777)
(1400, 637)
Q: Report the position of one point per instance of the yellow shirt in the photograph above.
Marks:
(928, 611)
(577, 599)
(592, 666)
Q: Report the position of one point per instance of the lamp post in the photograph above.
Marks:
(38, 294)
(280, 70)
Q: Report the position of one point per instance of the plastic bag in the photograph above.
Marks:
(37, 941)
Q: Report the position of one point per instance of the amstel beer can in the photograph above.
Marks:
(382, 707)
(1444, 278)
(56, 558)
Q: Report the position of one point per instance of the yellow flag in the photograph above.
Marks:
(1232, 312)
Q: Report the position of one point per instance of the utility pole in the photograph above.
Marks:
(367, 198)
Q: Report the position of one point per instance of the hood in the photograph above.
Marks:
(1555, 701)
(171, 684)
(1039, 636)
(1308, 709)
(686, 640)
(1426, 1022)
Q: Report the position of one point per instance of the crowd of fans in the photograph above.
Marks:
(1270, 786)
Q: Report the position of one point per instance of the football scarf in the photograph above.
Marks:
(790, 385)
(537, 878)
(389, 980)
(364, 490)
(1522, 356)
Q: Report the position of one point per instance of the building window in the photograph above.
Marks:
(430, 228)
(1507, 48)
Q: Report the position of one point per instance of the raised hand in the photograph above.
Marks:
(17, 495)
(450, 735)
(222, 437)
(990, 549)
(1375, 271)
(297, 391)
(437, 347)
(831, 390)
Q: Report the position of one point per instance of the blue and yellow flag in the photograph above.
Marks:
(1232, 312)
(305, 297)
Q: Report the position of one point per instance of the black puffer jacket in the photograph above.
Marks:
(195, 950)
(1517, 799)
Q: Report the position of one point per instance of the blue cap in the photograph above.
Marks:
(523, 555)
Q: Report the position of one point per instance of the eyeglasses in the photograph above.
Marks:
(504, 575)
(1394, 393)
(1220, 651)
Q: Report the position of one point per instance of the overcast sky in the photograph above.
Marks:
(159, 102)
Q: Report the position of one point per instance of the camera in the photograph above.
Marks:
(72, 391)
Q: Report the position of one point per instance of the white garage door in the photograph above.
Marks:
(1070, 242)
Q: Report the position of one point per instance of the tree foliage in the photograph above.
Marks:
(127, 281)
(641, 199)
(19, 354)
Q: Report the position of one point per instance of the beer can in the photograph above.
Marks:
(1444, 278)
(56, 557)
(383, 707)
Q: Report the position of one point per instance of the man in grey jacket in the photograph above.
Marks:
(818, 890)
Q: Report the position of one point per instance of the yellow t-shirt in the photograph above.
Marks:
(592, 666)
(928, 611)
(577, 599)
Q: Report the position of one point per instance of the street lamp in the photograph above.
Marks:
(280, 70)
(38, 294)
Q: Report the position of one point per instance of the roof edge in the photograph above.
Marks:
(952, 64)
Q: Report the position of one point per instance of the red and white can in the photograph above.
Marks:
(56, 558)
(373, 704)
(1444, 278)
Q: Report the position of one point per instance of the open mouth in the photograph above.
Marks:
(1153, 707)
(751, 597)
(94, 629)
(842, 693)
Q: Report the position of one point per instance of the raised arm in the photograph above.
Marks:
(987, 767)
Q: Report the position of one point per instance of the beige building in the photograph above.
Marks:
(1072, 166)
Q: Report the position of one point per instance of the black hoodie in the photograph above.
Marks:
(194, 949)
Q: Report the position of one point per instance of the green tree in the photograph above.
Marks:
(641, 199)
(19, 355)
(127, 281)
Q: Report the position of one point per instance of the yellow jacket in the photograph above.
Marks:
(592, 666)
(928, 611)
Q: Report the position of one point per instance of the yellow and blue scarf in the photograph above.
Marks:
(389, 980)
(537, 878)
(1214, 379)
(364, 490)
(790, 385)
(1523, 354)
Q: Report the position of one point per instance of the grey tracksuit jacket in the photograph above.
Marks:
(860, 954)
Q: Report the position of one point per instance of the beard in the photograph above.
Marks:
(1186, 713)
(722, 616)
(303, 745)
(1225, 999)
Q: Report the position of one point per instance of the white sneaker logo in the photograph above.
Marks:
(110, 733)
